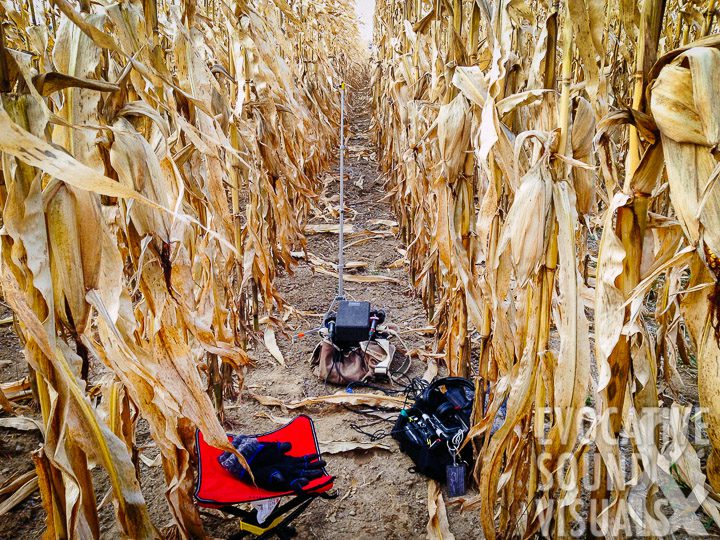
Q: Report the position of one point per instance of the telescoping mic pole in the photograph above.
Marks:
(341, 236)
(329, 321)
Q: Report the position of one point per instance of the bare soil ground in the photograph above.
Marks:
(377, 495)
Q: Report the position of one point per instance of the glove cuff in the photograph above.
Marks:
(248, 448)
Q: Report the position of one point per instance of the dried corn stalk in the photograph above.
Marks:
(509, 148)
(157, 163)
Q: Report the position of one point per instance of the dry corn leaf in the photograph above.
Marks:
(272, 346)
(608, 298)
(340, 398)
(20, 494)
(34, 151)
(10, 485)
(453, 137)
(16, 390)
(527, 222)
(352, 278)
(100, 442)
(438, 527)
(342, 447)
(23, 423)
(572, 373)
(688, 138)
(320, 228)
(696, 313)
(385, 222)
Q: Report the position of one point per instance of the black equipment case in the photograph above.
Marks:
(426, 430)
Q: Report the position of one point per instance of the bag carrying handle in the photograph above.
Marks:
(447, 381)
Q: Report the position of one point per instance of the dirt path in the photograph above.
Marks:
(378, 496)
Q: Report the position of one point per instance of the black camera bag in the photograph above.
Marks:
(446, 403)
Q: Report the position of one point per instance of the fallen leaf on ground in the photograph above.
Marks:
(154, 462)
(272, 346)
(339, 447)
(386, 222)
(279, 420)
(359, 149)
(349, 265)
(19, 496)
(377, 233)
(365, 240)
(424, 353)
(16, 389)
(424, 331)
(359, 279)
(23, 423)
(438, 527)
(401, 262)
(15, 481)
(320, 228)
(341, 398)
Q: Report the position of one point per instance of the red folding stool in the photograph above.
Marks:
(217, 488)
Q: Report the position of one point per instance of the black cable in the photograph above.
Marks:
(374, 436)
(370, 412)
(377, 434)
(412, 391)
(337, 357)
(363, 384)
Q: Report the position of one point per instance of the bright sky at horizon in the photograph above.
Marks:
(365, 10)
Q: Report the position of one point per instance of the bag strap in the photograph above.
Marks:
(449, 382)
(386, 367)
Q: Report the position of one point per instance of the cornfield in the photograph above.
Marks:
(553, 167)
(158, 161)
